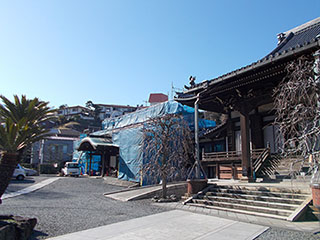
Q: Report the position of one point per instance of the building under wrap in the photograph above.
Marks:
(127, 134)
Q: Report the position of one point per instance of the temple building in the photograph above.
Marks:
(242, 145)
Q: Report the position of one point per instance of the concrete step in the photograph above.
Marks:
(268, 204)
(184, 198)
(234, 210)
(280, 203)
(261, 188)
(249, 208)
(256, 197)
(258, 193)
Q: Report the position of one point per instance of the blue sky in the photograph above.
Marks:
(120, 51)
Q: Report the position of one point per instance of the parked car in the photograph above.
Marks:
(19, 173)
(30, 172)
(71, 169)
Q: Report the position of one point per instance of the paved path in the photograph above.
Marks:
(304, 226)
(175, 224)
(29, 189)
(142, 192)
(132, 194)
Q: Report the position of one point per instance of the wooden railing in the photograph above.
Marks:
(228, 164)
(221, 156)
(258, 156)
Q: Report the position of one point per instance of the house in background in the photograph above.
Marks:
(75, 111)
(56, 148)
(110, 111)
(156, 98)
(244, 143)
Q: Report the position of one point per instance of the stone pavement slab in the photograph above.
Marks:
(305, 226)
(175, 224)
(140, 192)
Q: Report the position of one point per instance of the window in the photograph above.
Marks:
(72, 165)
(65, 149)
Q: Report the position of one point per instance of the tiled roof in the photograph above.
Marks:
(157, 98)
(68, 132)
(298, 37)
(301, 38)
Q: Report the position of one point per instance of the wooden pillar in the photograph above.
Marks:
(230, 135)
(90, 161)
(233, 171)
(103, 164)
(218, 170)
(256, 131)
(107, 163)
(245, 145)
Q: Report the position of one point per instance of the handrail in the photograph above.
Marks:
(257, 163)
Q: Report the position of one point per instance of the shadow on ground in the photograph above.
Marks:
(43, 194)
(36, 235)
(25, 181)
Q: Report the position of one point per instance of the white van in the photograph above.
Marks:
(71, 169)
(19, 173)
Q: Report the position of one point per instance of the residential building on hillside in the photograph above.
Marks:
(79, 111)
(105, 111)
(56, 148)
(110, 111)
(156, 98)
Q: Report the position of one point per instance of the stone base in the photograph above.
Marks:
(15, 227)
(196, 185)
(316, 196)
(246, 180)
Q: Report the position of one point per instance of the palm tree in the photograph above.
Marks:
(20, 125)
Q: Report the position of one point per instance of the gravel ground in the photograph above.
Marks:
(277, 233)
(74, 204)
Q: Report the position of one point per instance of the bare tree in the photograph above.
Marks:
(167, 149)
(296, 102)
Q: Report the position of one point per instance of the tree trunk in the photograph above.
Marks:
(164, 186)
(8, 163)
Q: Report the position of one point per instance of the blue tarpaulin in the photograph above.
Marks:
(83, 159)
(127, 134)
(143, 115)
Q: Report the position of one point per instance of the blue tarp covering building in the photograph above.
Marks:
(126, 133)
(83, 158)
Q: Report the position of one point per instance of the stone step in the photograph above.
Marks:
(239, 211)
(184, 198)
(256, 197)
(249, 208)
(257, 203)
(261, 188)
(258, 193)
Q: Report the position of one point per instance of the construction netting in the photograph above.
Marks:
(126, 133)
